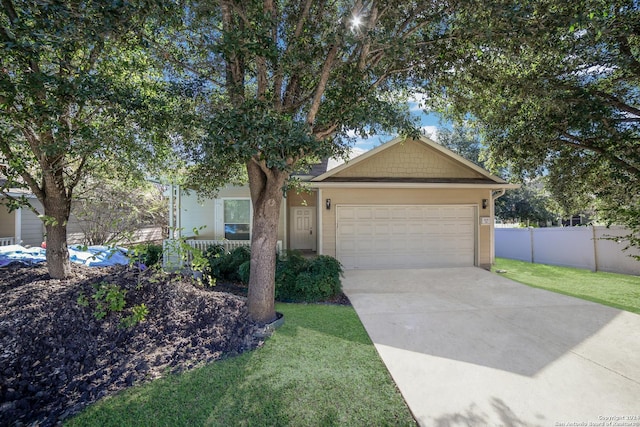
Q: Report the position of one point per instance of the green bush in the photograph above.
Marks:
(302, 280)
(288, 267)
(297, 278)
(226, 266)
(243, 272)
(147, 254)
(214, 254)
(108, 297)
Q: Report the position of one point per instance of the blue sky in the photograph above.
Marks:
(429, 122)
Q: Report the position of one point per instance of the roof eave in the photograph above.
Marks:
(456, 185)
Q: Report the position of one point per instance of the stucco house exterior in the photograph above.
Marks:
(408, 203)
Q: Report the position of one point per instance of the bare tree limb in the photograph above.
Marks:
(322, 83)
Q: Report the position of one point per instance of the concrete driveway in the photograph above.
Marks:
(470, 348)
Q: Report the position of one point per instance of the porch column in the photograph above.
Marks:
(17, 224)
(178, 212)
(171, 211)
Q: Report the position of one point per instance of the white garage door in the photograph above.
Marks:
(405, 236)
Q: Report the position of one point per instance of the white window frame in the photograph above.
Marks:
(221, 217)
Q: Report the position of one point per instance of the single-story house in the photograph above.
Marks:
(408, 203)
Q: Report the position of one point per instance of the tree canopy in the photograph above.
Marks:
(555, 88)
(78, 92)
(283, 83)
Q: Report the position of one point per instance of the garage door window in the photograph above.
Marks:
(237, 219)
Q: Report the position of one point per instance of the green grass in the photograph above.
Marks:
(615, 290)
(318, 369)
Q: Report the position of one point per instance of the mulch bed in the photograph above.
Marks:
(56, 357)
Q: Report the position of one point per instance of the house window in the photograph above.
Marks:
(237, 219)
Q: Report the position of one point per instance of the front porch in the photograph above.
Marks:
(175, 256)
(6, 241)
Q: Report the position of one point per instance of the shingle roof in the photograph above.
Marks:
(314, 170)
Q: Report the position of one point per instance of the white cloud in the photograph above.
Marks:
(430, 132)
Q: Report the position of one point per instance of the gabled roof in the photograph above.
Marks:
(470, 173)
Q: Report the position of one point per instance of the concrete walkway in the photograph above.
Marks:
(470, 348)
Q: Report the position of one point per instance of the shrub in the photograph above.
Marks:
(288, 268)
(326, 272)
(302, 280)
(108, 297)
(244, 271)
(147, 254)
(227, 265)
(215, 255)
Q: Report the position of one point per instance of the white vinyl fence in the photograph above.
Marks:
(580, 247)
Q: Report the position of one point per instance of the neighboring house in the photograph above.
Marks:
(405, 204)
(21, 226)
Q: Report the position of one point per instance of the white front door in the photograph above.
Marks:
(303, 233)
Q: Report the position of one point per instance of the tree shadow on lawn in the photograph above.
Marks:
(343, 322)
(308, 373)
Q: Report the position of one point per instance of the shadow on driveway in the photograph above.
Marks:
(468, 347)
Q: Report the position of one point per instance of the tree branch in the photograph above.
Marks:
(625, 49)
(21, 202)
(581, 144)
(322, 84)
(615, 102)
(11, 11)
(30, 180)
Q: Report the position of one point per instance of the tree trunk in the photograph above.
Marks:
(56, 211)
(266, 187)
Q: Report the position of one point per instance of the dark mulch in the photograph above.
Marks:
(56, 357)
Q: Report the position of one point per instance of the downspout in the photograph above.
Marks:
(285, 242)
(320, 212)
(495, 195)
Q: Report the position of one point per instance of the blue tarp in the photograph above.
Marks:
(93, 256)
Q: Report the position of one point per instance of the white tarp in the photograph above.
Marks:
(93, 256)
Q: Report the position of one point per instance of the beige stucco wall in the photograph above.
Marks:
(197, 213)
(302, 198)
(409, 159)
(7, 222)
(409, 196)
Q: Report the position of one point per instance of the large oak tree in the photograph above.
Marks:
(284, 82)
(77, 92)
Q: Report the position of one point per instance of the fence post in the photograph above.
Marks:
(595, 248)
(533, 258)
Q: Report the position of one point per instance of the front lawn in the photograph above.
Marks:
(319, 368)
(615, 290)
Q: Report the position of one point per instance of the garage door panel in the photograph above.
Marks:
(405, 236)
